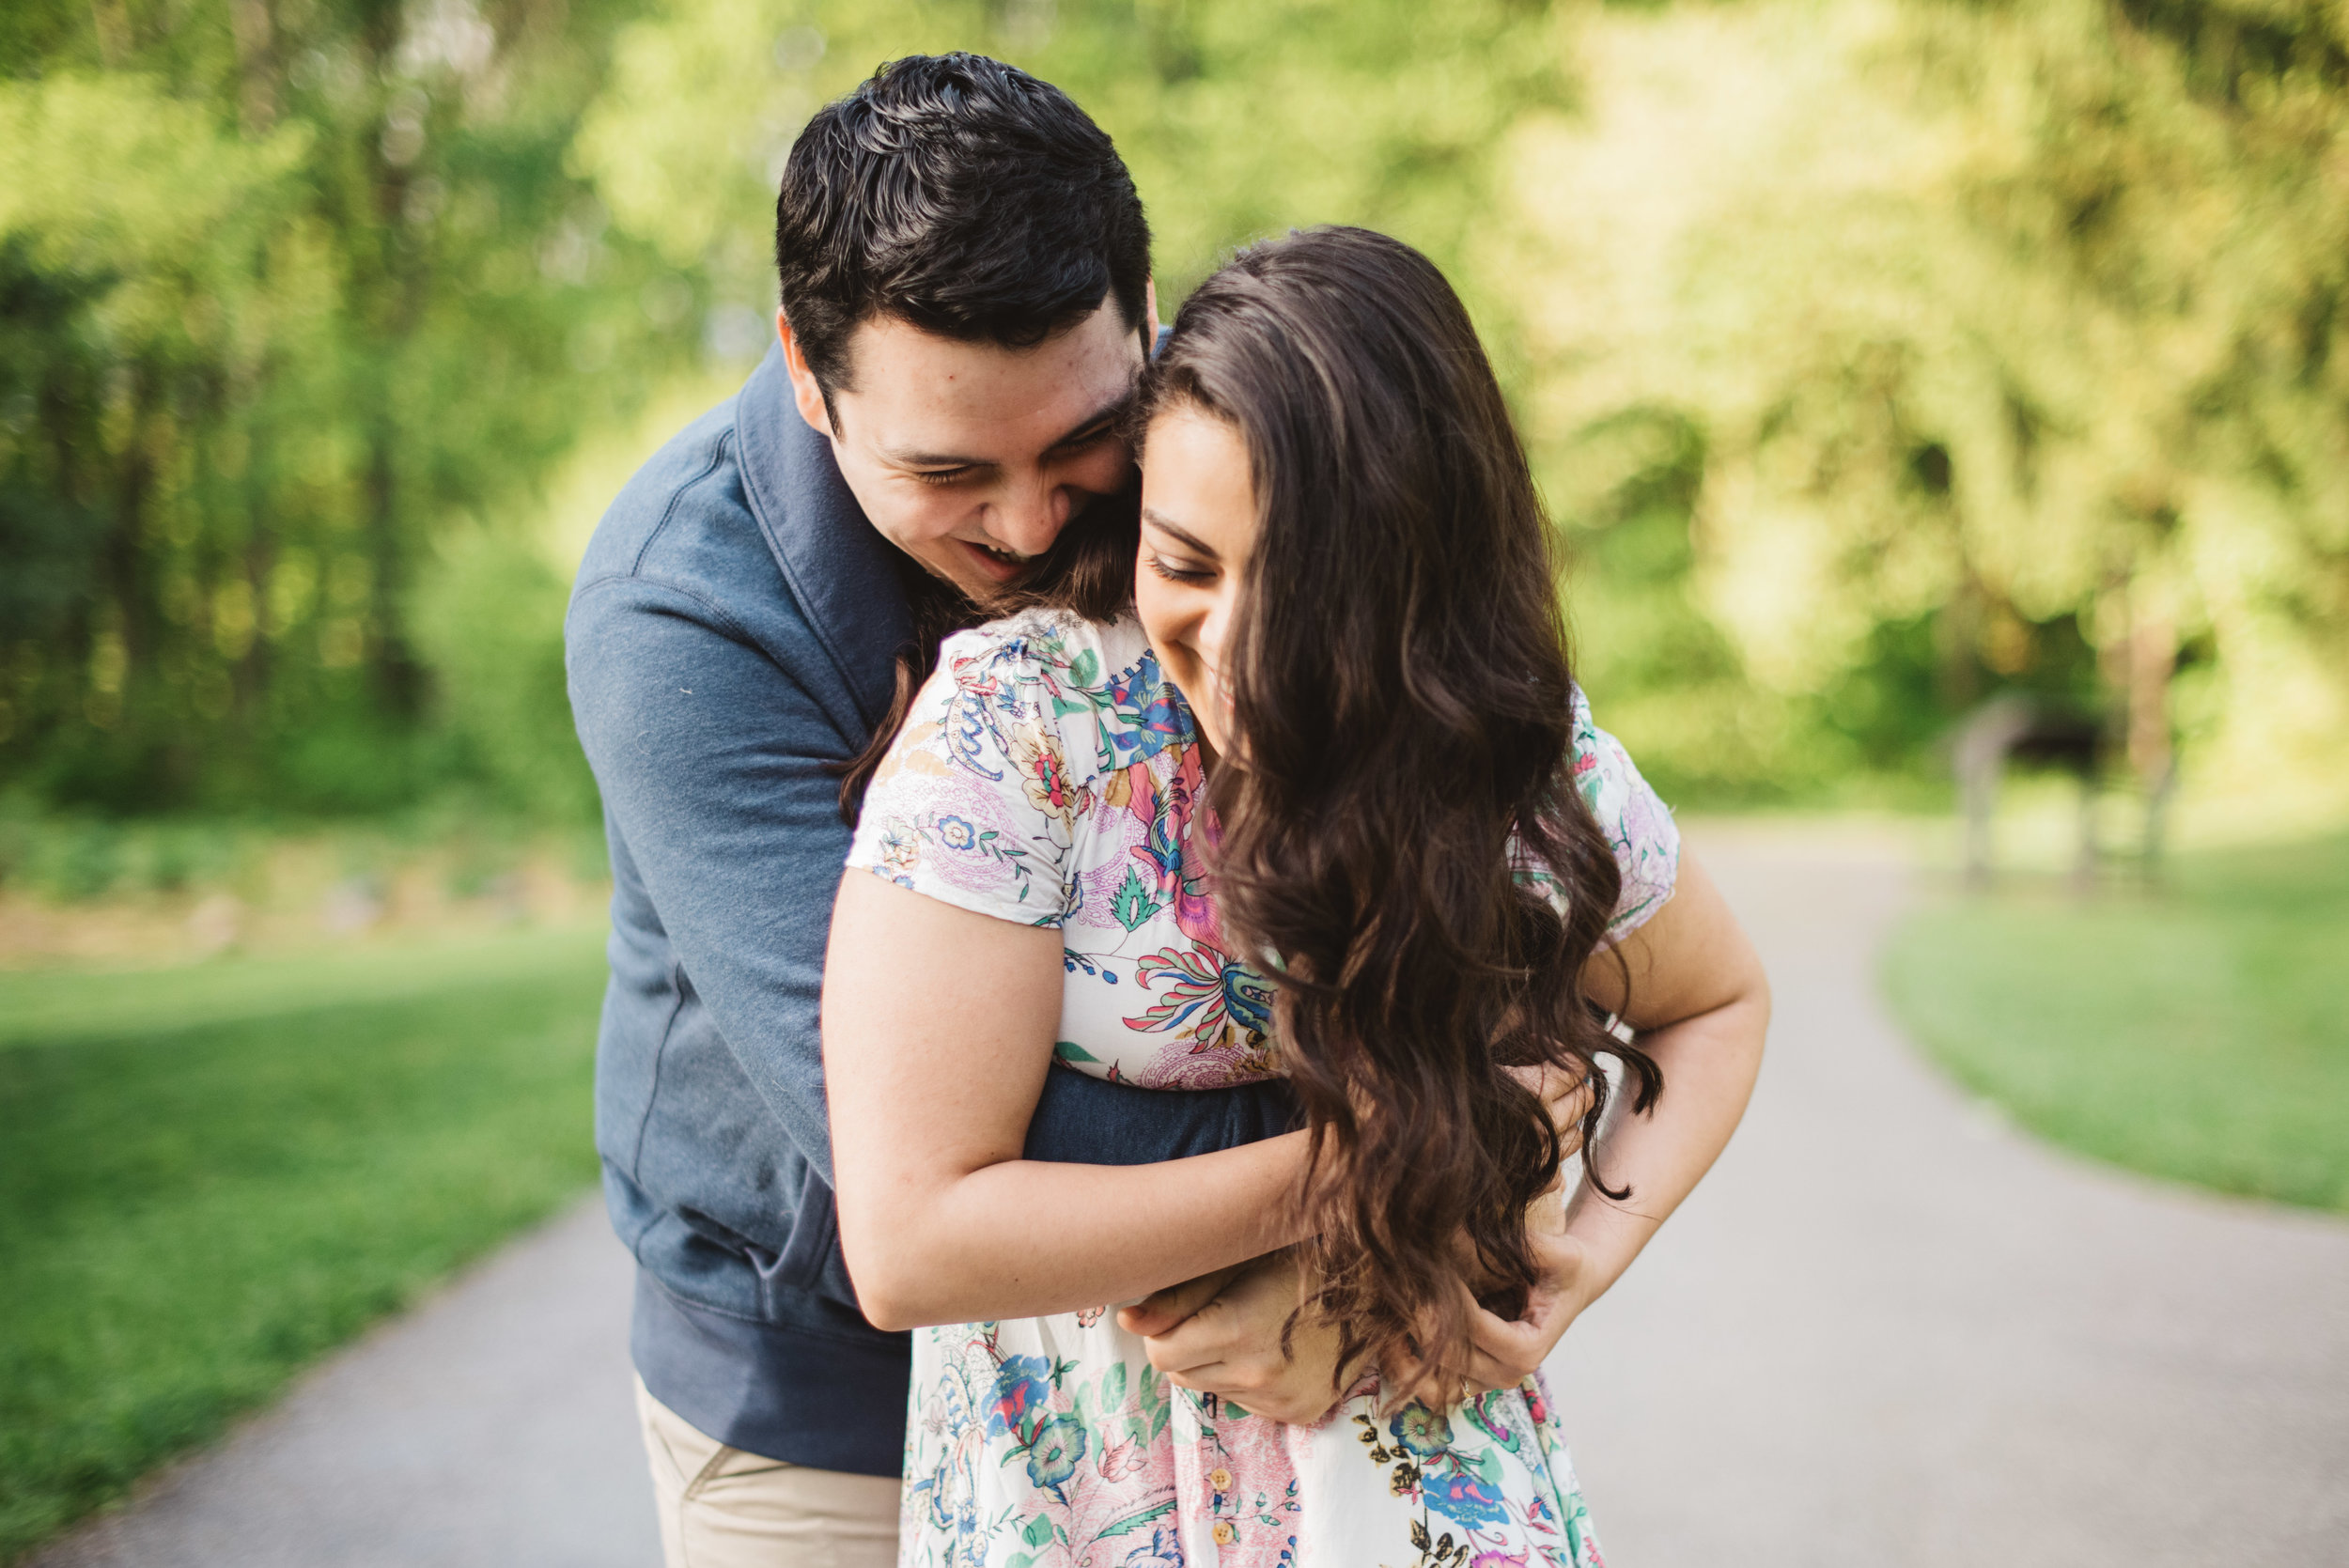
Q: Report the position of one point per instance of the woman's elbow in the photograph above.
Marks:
(888, 1280)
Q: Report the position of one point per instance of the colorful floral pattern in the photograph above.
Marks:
(1050, 775)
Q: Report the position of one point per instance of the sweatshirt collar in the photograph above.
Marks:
(838, 565)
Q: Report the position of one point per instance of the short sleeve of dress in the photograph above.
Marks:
(1638, 825)
(972, 805)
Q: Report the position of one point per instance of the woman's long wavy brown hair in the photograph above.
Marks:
(1403, 701)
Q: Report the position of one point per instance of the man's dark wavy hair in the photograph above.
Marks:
(963, 196)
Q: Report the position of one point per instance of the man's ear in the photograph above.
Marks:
(1149, 317)
(804, 392)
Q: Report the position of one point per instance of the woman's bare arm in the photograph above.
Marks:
(1701, 1005)
(939, 1026)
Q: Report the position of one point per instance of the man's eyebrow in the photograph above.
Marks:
(1166, 525)
(1107, 414)
(900, 458)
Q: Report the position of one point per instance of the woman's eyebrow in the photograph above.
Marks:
(1161, 523)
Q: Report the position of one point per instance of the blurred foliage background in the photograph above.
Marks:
(1878, 357)
(1877, 354)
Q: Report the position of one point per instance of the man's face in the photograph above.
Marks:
(970, 457)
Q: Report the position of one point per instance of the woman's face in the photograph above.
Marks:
(1198, 527)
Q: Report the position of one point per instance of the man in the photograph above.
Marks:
(966, 303)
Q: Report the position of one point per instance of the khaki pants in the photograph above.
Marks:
(722, 1508)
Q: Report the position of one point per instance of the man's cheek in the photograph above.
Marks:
(1104, 474)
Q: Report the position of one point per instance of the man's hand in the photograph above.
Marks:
(1231, 1345)
(1162, 1311)
(1220, 1333)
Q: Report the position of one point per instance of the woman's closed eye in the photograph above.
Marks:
(1180, 570)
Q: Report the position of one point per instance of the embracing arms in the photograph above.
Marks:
(1700, 1002)
(938, 1027)
(937, 1030)
(712, 719)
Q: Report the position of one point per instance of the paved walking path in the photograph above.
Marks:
(1887, 1330)
(1887, 1333)
(493, 1427)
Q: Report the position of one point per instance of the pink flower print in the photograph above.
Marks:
(1042, 775)
(1496, 1559)
(1120, 1460)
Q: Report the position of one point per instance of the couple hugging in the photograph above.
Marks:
(1164, 1143)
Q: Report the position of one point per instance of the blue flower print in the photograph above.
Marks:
(1468, 1501)
(1426, 1434)
(956, 833)
(1060, 1442)
(1164, 1551)
(1020, 1391)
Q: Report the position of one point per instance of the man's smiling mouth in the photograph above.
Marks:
(1000, 564)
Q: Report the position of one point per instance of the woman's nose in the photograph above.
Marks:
(1212, 628)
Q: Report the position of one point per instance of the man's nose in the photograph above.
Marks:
(1029, 517)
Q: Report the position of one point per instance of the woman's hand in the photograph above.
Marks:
(1568, 1096)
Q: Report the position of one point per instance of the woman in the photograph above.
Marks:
(1325, 732)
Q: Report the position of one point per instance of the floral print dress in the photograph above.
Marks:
(1049, 774)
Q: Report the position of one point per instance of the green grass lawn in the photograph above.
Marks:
(210, 1175)
(2201, 1032)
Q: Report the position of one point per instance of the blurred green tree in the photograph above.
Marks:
(286, 285)
(2010, 343)
(1878, 353)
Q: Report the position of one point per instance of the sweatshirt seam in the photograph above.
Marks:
(718, 613)
(653, 1276)
(659, 1060)
(677, 498)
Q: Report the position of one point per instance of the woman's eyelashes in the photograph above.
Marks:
(1177, 571)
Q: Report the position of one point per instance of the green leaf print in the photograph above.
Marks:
(1114, 1388)
(1069, 1051)
(1133, 904)
(1085, 669)
(1134, 1522)
(1039, 1530)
